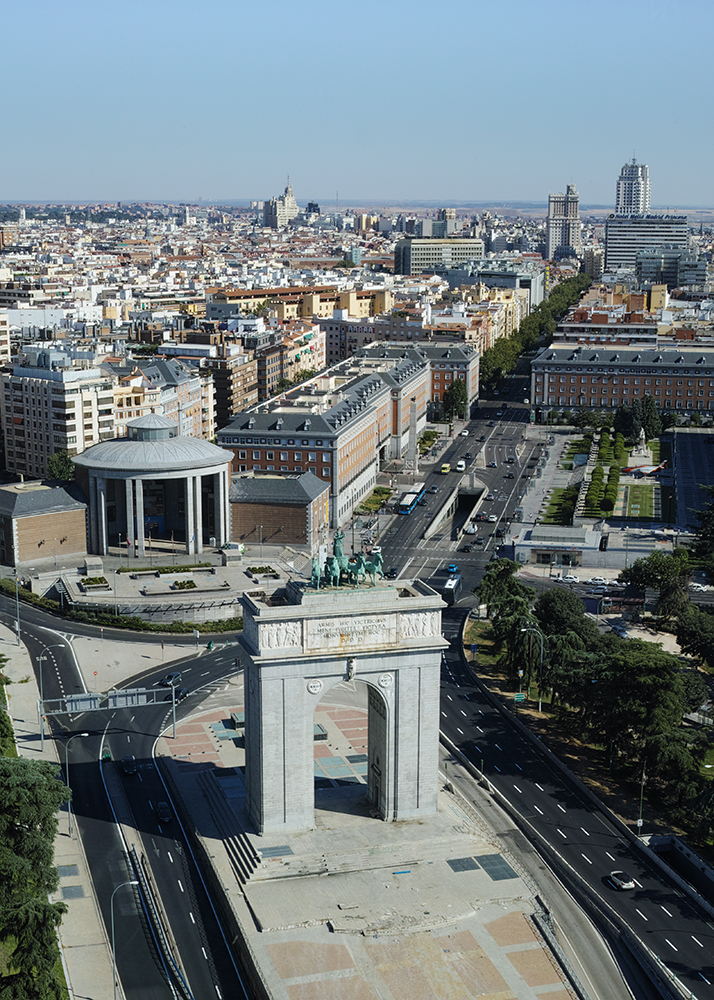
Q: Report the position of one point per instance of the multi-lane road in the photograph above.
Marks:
(583, 837)
(502, 463)
(115, 812)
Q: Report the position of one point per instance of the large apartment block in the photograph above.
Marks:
(341, 427)
(46, 410)
(50, 404)
(296, 303)
(626, 235)
(609, 375)
(414, 256)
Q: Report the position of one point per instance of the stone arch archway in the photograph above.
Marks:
(301, 643)
(377, 748)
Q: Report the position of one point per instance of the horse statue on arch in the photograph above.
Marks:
(332, 571)
(370, 567)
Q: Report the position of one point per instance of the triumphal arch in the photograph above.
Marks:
(303, 640)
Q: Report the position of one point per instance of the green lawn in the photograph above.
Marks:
(641, 497)
(661, 450)
(376, 498)
(482, 634)
(581, 446)
(554, 512)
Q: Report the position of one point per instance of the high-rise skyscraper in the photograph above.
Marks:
(278, 212)
(563, 224)
(633, 189)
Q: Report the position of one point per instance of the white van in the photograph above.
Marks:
(461, 465)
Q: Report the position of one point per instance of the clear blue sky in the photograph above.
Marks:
(378, 99)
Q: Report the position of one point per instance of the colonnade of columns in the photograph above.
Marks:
(134, 507)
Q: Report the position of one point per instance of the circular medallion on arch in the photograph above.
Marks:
(385, 680)
(314, 686)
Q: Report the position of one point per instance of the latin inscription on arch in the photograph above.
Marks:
(337, 633)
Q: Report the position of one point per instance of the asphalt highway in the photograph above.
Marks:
(194, 931)
(669, 924)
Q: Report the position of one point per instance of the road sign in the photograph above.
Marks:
(82, 703)
(131, 698)
(639, 822)
(474, 647)
(519, 697)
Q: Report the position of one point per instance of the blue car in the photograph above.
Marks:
(452, 568)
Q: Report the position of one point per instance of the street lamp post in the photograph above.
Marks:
(66, 760)
(116, 606)
(642, 795)
(40, 658)
(17, 605)
(114, 950)
(540, 669)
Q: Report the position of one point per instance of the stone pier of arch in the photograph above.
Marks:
(298, 643)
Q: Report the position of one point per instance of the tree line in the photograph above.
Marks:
(31, 793)
(501, 359)
(627, 696)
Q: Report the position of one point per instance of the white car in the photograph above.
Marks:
(570, 579)
(615, 583)
(526, 400)
(492, 518)
(464, 433)
(597, 581)
(699, 588)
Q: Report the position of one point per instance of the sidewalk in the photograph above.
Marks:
(84, 944)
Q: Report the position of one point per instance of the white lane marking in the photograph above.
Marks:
(459, 731)
(497, 747)
(140, 777)
(642, 915)
(204, 953)
(467, 697)
(444, 714)
(205, 673)
(609, 856)
(128, 739)
(586, 858)
(705, 979)
(665, 910)
(637, 883)
(560, 807)
(191, 916)
(170, 858)
(518, 789)
(132, 718)
(671, 945)
(462, 712)
(538, 810)
(220, 995)
(479, 729)
(518, 766)
(180, 886)
(539, 787)
(497, 768)
(585, 831)
(697, 942)
(449, 697)
(561, 832)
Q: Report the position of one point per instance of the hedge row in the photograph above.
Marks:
(163, 569)
(105, 620)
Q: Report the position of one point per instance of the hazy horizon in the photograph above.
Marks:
(470, 103)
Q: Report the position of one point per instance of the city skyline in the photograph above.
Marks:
(157, 106)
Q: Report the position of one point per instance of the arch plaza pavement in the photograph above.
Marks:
(403, 910)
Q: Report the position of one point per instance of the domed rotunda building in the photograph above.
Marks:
(155, 482)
